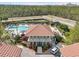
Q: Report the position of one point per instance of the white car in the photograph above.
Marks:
(54, 50)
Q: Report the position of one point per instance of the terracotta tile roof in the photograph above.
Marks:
(7, 50)
(71, 50)
(40, 30)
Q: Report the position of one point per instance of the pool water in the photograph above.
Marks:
(22, 28)
(19, 28)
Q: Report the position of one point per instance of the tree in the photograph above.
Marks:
(17, 39)
(58, 39)
(62, 27)
(21, 11)
(1, 30)
(73, 36)
(4, 35)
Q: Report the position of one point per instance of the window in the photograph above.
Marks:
(34, 36)
(37, 36)
(44, 36)
(30, 36)
(40, 36)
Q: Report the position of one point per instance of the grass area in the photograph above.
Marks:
(29, 21)
(73, 35)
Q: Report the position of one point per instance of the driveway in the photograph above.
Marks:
(26, 52)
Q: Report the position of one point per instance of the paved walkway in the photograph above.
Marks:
(26, 52)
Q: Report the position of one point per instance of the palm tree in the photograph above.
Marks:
(4, 35)
(1, 30)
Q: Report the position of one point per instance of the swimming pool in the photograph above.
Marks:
(22, 28)
(17, 28)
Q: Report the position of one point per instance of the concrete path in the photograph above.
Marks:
(39, 49)
(26, 52)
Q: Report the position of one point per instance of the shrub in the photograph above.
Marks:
(17, 39)
(45, 47)
(67, 41)
(12, 41)
(24, 44)
(62, 27)
(67, 34)
(58, 39)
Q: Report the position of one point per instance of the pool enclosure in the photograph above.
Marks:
(17, 29)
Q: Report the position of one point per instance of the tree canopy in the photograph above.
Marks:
(7, 11)
(73, 35)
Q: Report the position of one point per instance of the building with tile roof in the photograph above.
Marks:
(40, 30)
(7, 50)
(70, 50)
(40, 35)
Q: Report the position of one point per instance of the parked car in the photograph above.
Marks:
(54, 50)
